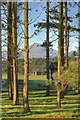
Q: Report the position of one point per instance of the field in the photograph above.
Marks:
(41, 106)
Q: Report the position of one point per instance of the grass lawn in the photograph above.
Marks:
(31, 77)
(41, 106)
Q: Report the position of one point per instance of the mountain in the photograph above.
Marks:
(37, 51)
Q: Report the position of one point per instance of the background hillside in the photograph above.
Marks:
(37, 51)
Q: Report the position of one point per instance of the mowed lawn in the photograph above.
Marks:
(31, 77)
(41, 106)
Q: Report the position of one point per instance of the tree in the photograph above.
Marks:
(47, 47)
(0, 51)
(60, 43)
(79, 62)
(15, 57)
(61, 34)
(26, 59)
(9, 49)
(79, 50)
(66, 36)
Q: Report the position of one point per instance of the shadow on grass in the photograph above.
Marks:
(40, 104)
(44, 111)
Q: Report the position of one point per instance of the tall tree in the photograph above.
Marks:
(47, 46)
(9, 49)
(61, 35)
(60, 50)
(79, 64)
(66, 36)
(26, 59)
(0, 51)
(79, 50)
(15, 57)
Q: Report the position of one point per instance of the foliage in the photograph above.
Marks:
(74, 53)
(44, 44)
(69, 75)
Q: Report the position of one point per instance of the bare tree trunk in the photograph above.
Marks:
(0, 52)
(59, 74)
(15, 57)
(61, 35)
(47, 47)
(66, 36)
(79, 54)
(26, 59)
(9, 49)
(60, 50)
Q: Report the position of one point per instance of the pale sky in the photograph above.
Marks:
(37, 14)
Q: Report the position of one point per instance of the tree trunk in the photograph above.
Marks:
(26, 59)
(0, 51)
(47, 48)
(60, 52)
(79, 55)
(66, 36)
(15, 57)
(9, 49)
(61, 35)
(59, 74)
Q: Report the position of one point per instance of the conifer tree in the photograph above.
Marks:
(9, 49)
(26, 59)
(15, 57)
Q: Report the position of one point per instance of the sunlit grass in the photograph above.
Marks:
(21, 77)
(41, 106)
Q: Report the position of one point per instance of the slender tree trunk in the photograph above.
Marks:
(59, 74)
(0, 51)
(15, 57)
(60, 52)
(66, 36)
(61, 35)
(79, 54)
(79, 66)
(26, 59)
(9, 49)
(47, 48)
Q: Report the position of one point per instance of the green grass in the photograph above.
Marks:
(31, 77)
(41, 106)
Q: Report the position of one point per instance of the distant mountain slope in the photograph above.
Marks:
(37, 51)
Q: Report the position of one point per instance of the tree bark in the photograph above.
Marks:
(9, 49)
(26, 59)
(47, 48)
(60, 52)
(0, 52)
(66, 36)
(79, 54)
(15, 57)
(61, 35)
(59, 74)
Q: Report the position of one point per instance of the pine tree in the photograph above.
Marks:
(0, 51)
(47, 47)
(60, 50)
(9, 49)
(66, 36)
(79, 50)
(26, 59)
(15, 57)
